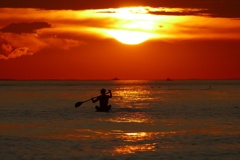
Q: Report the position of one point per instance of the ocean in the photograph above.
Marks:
(194, 119)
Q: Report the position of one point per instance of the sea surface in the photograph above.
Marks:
(148, 120)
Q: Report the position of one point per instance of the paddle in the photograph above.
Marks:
(80, 103)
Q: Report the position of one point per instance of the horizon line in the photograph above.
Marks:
(166, 79)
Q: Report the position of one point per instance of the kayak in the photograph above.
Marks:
(103, 109)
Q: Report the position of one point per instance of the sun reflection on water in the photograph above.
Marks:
(130, 149)
(134, 94)
(134, 117)
(134, 142)
(141, 136)
(136, 136)
(124, 142)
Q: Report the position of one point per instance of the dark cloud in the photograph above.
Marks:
(59, 4)
(214, 8)
(184, 12)
(218, 8)
(19, 28)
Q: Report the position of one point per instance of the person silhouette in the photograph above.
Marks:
(103, 101)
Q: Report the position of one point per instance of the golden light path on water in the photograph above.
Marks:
(127, 127)
(132, 141)
(132, 135)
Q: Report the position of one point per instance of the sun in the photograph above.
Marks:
(132, 26)
(130, 37)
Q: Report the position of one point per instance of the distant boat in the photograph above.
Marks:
(115, 78)
(168, 79)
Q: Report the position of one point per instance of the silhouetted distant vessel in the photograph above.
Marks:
(115, 78)
(168, 79)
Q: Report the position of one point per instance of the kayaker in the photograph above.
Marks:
(103, 101)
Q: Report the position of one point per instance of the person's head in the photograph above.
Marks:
(103, 91)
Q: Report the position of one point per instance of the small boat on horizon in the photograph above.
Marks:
(115, 78)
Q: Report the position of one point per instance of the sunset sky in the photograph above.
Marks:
(137, 39)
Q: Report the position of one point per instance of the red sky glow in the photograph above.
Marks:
(142, 40)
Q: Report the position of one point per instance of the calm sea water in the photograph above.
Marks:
(148, 120)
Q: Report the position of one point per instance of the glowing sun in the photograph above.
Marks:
(130, 37)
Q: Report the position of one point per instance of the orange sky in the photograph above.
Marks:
(197, 42)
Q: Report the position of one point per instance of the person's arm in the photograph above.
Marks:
(94, 100)
(110, 92)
